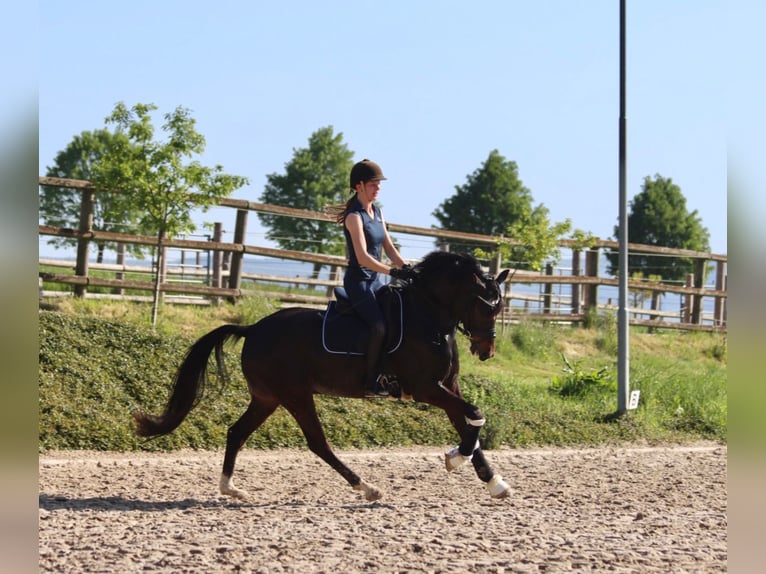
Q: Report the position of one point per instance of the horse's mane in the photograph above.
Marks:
(444, 263)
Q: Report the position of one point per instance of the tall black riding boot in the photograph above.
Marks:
(373, 385)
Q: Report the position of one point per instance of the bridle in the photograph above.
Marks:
(472, 334)
(493, 306)
(484, 333)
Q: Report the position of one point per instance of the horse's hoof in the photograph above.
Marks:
(498, 488)
(371, 493)
(239, 494)
(453, 459)
(227, 488)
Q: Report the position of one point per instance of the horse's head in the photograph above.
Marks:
(481, 313)
(466, 295)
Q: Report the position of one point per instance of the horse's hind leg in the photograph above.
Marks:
(304, 412)
(255, 415)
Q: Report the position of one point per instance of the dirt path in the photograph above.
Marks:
(617, 509)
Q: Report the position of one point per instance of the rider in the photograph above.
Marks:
(366, 233)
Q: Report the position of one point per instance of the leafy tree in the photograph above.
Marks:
(658, 216)
(60, 206)
(316, 178)
(495, 202)
(492, 199)
(532, 240)
(154, 175)
(537, 240)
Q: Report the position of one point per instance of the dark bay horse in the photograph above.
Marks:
(285, 363)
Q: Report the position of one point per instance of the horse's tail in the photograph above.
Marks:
(190, 382)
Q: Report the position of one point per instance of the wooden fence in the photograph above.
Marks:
(224, 276)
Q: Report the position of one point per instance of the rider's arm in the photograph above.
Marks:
(356, 231)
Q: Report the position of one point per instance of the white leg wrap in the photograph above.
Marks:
(475, 422)
(497, 487)
(453, 459)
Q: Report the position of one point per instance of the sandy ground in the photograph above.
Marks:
(603, 510)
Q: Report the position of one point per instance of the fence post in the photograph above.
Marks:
(498, 263)
(335, 273)
(720, 285)
(591, 270)
(235, 272)
(686, 300)
(217, 261)
(699, 283)
(547, 289)
(83, 243)
(119, 275)
(217, 234)
(575, 286)
(656, 298)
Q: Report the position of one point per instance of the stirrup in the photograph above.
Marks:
(379, 388)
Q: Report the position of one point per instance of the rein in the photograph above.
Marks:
(436, 307)
(428, 297)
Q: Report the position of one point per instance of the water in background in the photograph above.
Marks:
(259, 265)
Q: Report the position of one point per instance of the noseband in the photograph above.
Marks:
(484, 333)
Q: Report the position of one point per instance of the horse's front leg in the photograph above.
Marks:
(496, 486)
(468, 424)
(467, 420)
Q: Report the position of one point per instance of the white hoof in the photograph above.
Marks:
(453, 459)
(498, 488)
(227, 487)
(370, 492)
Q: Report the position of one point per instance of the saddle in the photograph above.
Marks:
(345, 333)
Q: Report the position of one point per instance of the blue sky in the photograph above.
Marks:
(425, 88)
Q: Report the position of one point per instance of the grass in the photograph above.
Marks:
(548, 385)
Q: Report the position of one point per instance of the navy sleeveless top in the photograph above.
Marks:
(374, 234)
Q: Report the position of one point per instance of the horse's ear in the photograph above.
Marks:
(502, 277)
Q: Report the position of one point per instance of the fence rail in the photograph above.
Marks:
(226, 280)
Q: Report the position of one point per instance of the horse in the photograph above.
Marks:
(285, 363)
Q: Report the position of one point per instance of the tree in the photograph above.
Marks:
(60, 207)
(536, 240)
(492, 199)
(316, 177)
(495, 202)
(533, 240)
(658, 216)
(154, 175)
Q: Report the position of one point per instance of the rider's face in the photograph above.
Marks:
(371, 189)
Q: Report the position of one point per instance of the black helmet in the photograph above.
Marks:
(365, 170)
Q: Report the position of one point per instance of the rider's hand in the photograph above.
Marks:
(405, 273)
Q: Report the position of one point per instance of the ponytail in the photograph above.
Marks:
(341, 217)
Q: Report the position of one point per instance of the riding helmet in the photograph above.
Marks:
(365, 170)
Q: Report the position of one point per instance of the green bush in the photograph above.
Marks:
(578, 383)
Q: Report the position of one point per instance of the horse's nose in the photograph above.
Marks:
(488, 353)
